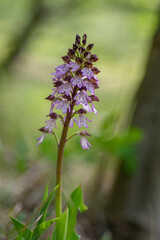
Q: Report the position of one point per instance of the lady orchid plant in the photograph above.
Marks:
(75, 82)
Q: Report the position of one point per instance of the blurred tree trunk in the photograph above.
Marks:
(135, 203)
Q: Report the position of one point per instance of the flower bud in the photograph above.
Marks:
(79, 73)
(81, 111)
(84, 133)
(44, 130)
(89, 47)
(93, 58)
(78, 60)
(67, 78)
(71, 53)
(95, 85)
(78, 39)
(84, 39)
(92, 80)
(50, 98)
(53, 115)
(87, 55)
(95, 70)
(66, 59)
(94, 98)
(88, 65)
(58, 84)
(67, 97)
(81, 49)
(75, 47)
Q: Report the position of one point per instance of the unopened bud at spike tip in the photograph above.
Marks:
(79, 60)
(75, 47)
(87, 55)
(71, 53)
(81, 50)
(84, 39)
(88, 65)
(90, 46)
(78, 40)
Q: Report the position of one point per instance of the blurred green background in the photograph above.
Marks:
(40, 32)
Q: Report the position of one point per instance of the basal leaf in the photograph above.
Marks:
(75, 203)
(45, 203)
(23, 231)
(61, 227)
(41, 228)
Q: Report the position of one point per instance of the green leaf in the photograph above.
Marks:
(41, 228)
(44, 200)
(23, 231)
(61, 227)
(75, 203)
(45, 203)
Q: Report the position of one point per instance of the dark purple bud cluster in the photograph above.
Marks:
(74, 84)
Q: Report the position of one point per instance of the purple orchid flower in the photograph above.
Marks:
(61, 70)
(89, 86)
(64, 105)
(66, 88)
(77, 81)
(86, 72)
(81, 121)
(74, 66)
(82, 98)
(84, 143)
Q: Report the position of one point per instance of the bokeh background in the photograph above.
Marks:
(34, 34)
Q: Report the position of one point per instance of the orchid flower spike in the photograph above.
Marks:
(74, 84)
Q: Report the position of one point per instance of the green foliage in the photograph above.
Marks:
(24, 233)
(45, 203)
(61, 227)
(65, 225)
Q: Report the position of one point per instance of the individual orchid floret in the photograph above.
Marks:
(77, 81)
(74, 66)
(61, 70)
(82, 98)
(51, 122)
(81, 119)
(64, 105)
(86, 72)
(84, 142)
(66, 88)
(89, 86)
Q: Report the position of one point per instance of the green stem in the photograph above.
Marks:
(60, 164)
(56, 138)
(75, 134)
